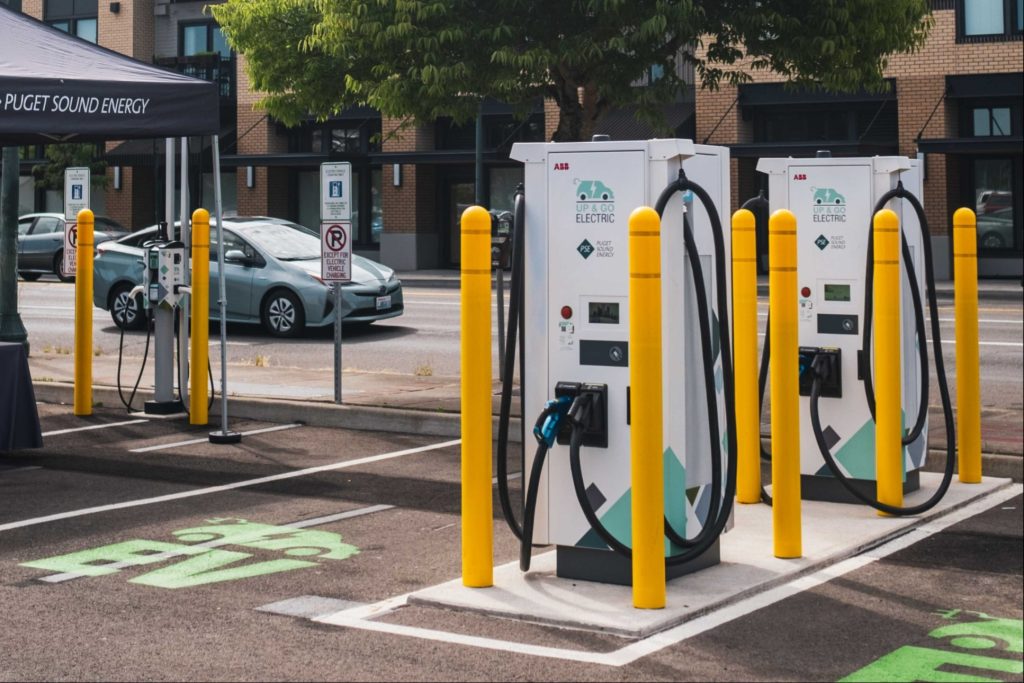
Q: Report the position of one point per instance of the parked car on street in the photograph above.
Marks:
(272, 276)
(41, 243)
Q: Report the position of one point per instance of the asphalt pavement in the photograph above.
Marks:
(131, 548)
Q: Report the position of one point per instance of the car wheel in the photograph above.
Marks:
(127, 312)
(992, 240)
(58, 267)
(282, 314)
(30, 277)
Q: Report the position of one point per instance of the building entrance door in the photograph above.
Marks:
(459, 196)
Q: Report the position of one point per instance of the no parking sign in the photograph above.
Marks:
(336, 251)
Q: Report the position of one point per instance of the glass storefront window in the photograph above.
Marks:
(993, 191)
(991, 121)
(376, 210)
(503, 183)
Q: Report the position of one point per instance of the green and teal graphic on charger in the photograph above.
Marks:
(595, 202)
(829, 206)
(206, 561)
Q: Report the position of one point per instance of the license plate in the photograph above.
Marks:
(383, 302)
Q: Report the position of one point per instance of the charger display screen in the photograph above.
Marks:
(603, 313)
(835, 292)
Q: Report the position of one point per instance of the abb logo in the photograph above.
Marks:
(562, 166)
(800, 176)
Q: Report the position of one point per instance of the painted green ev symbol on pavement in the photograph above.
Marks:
(206, 562)
(911, 663)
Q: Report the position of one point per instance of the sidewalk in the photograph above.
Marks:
(988, 290)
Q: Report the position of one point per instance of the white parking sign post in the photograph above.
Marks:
(336, 268)
(336, 243)
(76, 197)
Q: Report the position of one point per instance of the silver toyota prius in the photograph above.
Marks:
(272, 277)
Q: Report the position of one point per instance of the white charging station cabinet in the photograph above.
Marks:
(833, 199)
(578, 199)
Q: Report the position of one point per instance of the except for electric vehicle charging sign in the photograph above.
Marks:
(70, 265)
(336, 191)
(76, 192)
(336, 251)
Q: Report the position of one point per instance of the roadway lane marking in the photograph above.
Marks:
(192, 442)
(91, 427)
(361, 617)
(226, 487)
(218, 542)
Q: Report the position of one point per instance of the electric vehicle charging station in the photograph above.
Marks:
(578, 200)
(834, 200)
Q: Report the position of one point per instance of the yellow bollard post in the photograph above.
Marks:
(968, 382)
(744, 315)
(787, 535)
(646, 434)
(83, 313)
(888, 406)
(199, 356)
(477, 522)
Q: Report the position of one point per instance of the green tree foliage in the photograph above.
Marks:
(420, 59)
(50, 176)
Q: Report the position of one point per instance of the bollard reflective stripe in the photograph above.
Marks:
(199, 356)
(744, 307)
(787, 539)
(83, 313)
(888, 405)
(646, 433)
(968, 382)
(477, 522)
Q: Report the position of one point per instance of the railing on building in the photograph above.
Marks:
(209, 67)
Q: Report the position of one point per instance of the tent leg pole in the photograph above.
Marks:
(223, 436)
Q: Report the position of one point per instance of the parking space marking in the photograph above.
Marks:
(57, 432)
(226, 487)
(361, 617)
(192, 442)
(160, 557)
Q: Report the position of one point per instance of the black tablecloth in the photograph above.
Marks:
(19, 420)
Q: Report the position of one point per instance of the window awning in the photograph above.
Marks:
(985, 86)
(769, 94)
(992, 145)
(838, 148)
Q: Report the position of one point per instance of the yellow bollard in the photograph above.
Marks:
(968, 383)
(199, 356)
(888, 406)
(646, 434)
(787, 536)
(744, 315)
(83, 313)
(477, 522)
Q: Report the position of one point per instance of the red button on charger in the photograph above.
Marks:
(566, 312)
(805, 292)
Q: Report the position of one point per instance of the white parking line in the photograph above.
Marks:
(91, 427)
(226, 487)
(190, 442)
(360, 617)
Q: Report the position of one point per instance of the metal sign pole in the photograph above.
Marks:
(185, 237)
(337, 343)
(223, 436)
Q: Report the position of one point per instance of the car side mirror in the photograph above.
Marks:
(236, 256)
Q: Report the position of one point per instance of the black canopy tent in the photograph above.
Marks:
(56, 88)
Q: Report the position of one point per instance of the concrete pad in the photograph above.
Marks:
(831, 532)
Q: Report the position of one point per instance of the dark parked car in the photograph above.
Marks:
(41, 243)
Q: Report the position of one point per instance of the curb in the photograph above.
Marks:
(314, 414)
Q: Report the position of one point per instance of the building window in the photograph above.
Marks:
(203, 39)
(12, 4)
(994, 181)
(989, 20)
(77, 17)
(990, 121)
